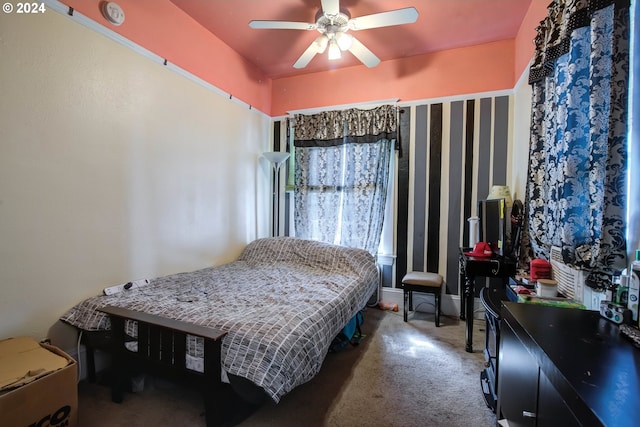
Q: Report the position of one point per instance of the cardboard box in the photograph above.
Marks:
(38, 385)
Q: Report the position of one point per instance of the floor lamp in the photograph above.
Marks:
(276, 158)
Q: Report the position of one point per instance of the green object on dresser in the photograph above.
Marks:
(555, 302)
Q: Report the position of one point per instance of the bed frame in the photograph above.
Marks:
(161, 351)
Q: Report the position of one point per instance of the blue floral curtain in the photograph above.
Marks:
(341, 175)
(577, 194)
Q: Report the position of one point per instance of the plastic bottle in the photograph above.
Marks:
(612, 289)
(622, 292)
(474, 230)
(634, 287)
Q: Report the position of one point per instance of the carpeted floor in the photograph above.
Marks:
(403, 374)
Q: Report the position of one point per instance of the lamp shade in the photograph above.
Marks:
(276, 157)
(334, 50)
(344, 41)
(501, 192)
(321, 43)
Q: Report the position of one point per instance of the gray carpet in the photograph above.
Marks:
(403, 374)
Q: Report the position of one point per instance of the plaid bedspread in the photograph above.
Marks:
(281, 303)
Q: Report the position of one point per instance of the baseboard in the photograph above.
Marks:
(450, 304)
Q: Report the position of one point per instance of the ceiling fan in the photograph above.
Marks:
(333, 24)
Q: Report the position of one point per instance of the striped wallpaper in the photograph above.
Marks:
(452, 153)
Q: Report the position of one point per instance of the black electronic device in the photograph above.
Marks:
(493, 224)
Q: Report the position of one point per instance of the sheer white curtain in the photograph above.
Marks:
(342, 163)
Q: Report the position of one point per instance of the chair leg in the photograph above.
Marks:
(410, 300)
(406, 304)
(437, 308)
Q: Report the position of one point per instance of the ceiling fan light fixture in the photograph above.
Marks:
(344, 41)
(321, 43)
(334, 50)
(333, 22)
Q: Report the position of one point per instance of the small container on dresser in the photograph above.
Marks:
(539, 269)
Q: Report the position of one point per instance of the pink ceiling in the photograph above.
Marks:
(441, 25)
(456, 47)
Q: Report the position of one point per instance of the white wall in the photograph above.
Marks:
(519, 156)
(112, 168)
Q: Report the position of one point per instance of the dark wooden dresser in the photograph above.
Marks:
(565, 367)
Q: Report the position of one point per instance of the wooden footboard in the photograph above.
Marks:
(161, 351)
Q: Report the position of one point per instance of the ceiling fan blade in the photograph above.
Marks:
(407, 15)
(331, 7)
(282, 25)
(361, 52)
(306, 56)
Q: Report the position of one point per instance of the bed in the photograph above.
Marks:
(272, 313)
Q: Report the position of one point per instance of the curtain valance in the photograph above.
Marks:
(554, 32)
(333, 128)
